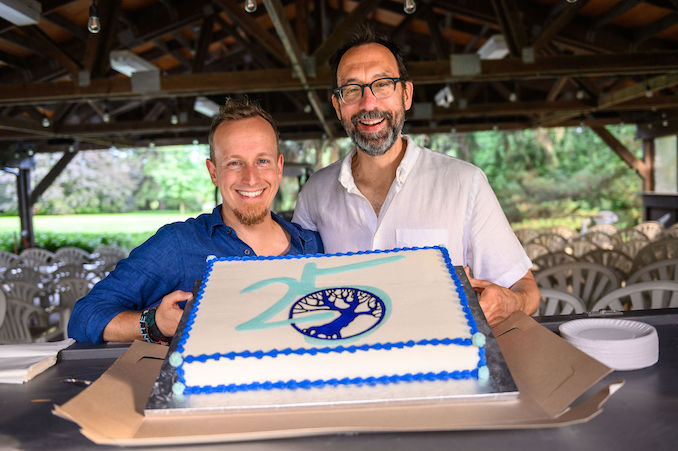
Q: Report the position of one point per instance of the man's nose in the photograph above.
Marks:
(367, 101)
(249, 173)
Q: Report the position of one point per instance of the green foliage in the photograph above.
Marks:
(87, 241)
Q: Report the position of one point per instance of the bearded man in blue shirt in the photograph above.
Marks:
(141, 298)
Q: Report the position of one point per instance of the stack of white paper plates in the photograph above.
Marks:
(619, 344)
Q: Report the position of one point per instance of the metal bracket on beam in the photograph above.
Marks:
(465, 65)
(309, 66)
(146, 81)
(84, 78)
(527, 54)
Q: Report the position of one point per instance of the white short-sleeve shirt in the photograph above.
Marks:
(435, 199)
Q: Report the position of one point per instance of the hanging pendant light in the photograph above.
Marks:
(93, 23)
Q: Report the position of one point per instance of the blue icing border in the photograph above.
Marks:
(307, 384)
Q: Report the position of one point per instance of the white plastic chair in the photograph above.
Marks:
(580, 247)
(661, 270)
(652, 229)
(25, 322)
(36, 257)
(555, 302)
(7, 260)
(526, 235)
(600, 239)
(617, 261)
(588, 281)
(566, 232)
(71, 254)
(640, 296)
(67, 291)
(534, 250)
(656, 251)
(552, 259)
(552, 241)
(627, 235)
(608, 229)
(631, 247)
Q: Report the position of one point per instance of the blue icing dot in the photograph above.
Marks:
(483, 374)
(478, 339)
(175, 359)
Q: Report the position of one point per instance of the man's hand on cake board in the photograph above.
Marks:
(169, 312)
(498, 303)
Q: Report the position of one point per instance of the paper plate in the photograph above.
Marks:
(619, 344)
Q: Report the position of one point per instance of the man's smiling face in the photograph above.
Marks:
(247, 170)
(373, 124)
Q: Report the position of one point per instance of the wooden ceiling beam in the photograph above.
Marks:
(614, 12)
(563, 16)
(511, 24)
(301, 9)
(245, 20)
(638, 90)
(422, 72)
(654, 28)
(43, 41)
(203, 42)
(347, 26)
(282, 27)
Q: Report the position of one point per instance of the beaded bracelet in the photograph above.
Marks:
(150, 330)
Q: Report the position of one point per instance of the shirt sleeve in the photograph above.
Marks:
(302, 214)
(151, 271)
(493, 249)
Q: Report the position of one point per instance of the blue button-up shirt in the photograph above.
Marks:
(172, 259)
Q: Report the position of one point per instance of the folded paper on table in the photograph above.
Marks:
(20, 363)
(549, 372)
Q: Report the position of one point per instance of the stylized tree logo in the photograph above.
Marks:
(357, 311)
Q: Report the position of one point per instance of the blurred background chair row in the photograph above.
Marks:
(38, 289)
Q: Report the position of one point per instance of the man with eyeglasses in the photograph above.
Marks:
(389, 192)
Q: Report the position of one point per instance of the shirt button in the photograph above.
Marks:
(228, 231)
(247, 252)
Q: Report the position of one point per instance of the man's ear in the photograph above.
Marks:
(281, 162)
(212, 169)
(408, 92)
(335, 104)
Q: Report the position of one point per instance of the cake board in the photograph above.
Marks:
(500, 386)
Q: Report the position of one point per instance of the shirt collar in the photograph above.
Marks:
(297, 239)
(412, 152)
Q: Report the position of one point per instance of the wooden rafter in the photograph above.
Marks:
(49, 178)
(344, 29)
(510, 22)
(614, 12)
(253, 29)
(565, 13)
(643, 168)
(203, 42)
(652, 29)
(284, 30)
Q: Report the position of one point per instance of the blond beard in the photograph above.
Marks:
(251, 216)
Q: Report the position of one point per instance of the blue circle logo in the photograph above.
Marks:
(351, 312)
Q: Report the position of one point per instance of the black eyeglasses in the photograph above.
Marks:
(381, 88)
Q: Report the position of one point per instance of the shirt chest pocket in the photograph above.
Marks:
(421, 237)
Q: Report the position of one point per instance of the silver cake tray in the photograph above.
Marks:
(500, 387)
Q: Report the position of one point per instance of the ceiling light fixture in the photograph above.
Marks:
(494, 48)
(205, 106)
(128, 63)
(513, 97)
(444, 97)
(93, 23)
(45, 122)
(250, 6)
(21, 12)
(409, 7)
(174, 119)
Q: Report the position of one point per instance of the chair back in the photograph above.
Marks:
(600, 239)
(552, 259)
(608, 229)
(534, 250)
(23, 291)
(580, 247)
(552, 241)
(566, 232)
(526, 235)
(627, 235)
(68, 291)
(661, 270)
(656, 251)
(587, 281)
(555, 302)
(651, 229)
(71, 254)
(7, 259)
(640, 296)
(18, 319)
(35, 257)
(631, 247)
(617, 261)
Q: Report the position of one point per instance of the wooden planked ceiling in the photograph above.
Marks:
(595, 62)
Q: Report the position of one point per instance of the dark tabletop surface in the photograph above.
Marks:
(641, 415)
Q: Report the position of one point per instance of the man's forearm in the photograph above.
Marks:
(123, 327)
(528, 292)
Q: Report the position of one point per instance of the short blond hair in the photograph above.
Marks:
(235, 110)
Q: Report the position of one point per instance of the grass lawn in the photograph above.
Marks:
(140, 222)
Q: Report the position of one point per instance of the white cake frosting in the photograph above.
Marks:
(372, 318)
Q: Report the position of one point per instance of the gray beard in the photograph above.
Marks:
(375, 144)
